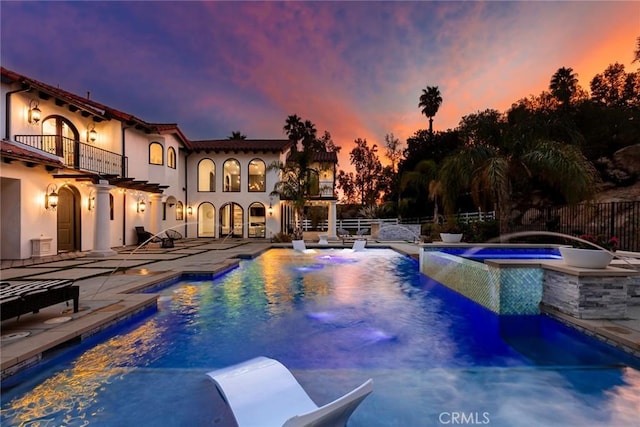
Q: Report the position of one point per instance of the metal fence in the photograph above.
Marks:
(619, 219)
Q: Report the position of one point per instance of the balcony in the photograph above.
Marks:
(78, 155)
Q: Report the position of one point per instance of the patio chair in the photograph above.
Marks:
(362, 232)
(145, 237)
(262, 392)
(172, 236)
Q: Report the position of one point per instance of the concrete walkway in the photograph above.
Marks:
(108, 286)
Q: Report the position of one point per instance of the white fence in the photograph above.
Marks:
(354, 224)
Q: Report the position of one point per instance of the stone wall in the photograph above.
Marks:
(405, 232)
(586, 297)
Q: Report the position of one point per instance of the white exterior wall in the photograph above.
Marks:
(244, 198)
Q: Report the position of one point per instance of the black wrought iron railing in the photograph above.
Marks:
(619, 219)
(78, 155)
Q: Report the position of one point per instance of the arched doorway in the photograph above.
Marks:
(60, 137)
(231, 220)
(68, 214)
(206, 220)
(257, 220)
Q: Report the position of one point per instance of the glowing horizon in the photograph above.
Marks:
(355, 69)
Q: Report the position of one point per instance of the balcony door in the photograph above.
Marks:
(60, 137)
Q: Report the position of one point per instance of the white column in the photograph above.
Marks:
(156, 213)
(333, 215)
(102, 231)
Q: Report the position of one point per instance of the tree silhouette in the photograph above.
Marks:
(430, 102)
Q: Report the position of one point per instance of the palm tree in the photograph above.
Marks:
(424, 177)
(488, 168)
(294, 128)
(294, 186)
(636, 54)
(236, 134)
(564, 85)
(430, 102)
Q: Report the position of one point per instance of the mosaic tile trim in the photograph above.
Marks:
(513, 291)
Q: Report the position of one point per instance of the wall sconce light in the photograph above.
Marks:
(91, 201)
(51, 198)
(141, 206)
(34, 112)
(189, 210)
(92, 135)
(270, 209)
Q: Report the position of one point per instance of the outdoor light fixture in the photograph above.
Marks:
(91, 201)
(51, 197)
(270, 210)
(92, 135)
(141, 205)
(34, 112)
(189, 210)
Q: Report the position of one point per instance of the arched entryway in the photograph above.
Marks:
(231, 220)
(68, 214)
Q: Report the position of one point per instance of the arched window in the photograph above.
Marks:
(232, 175)
(171, 157)
(231, 220)
(257, 220)
(257, 175)
(156, 153)
(206, 175)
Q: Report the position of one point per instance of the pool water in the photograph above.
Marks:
(335, 319)
(483, 253)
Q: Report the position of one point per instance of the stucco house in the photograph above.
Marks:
(77, 175)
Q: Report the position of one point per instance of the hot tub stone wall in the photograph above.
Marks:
(409, 232)
(589, 297)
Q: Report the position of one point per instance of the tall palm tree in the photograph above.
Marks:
(236, 134)
(295, 129)
(430, 102)
(564, 85)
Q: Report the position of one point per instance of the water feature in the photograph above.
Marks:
(434, 355)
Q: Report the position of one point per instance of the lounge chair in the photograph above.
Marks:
(359, 245)
(262, 392)
(21, 298)
(299, 246)
(145, 237)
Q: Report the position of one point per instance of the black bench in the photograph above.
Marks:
(29, 297)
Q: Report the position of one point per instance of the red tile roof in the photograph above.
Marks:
(20, 152)
(241, 145)
(97, 110)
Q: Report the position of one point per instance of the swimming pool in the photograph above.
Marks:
(334, 319)
(481, 253)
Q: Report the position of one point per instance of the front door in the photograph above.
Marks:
(68, 220)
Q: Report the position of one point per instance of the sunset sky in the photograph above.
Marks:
(355, 69)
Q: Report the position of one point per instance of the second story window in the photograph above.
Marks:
(156, 153)
(171, 157)
(232, 175)
(256, 175)
(206, 175)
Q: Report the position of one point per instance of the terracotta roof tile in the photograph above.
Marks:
(241, 145)
(20, 152)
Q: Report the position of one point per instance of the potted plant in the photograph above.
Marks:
(589, 251)
(451, 233)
